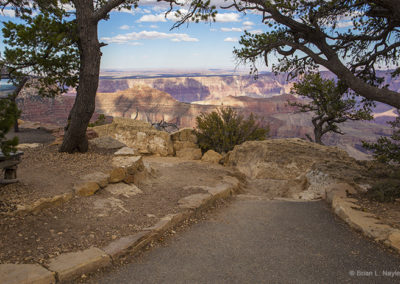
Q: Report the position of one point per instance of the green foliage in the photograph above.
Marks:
(221, 130)
(43, 47)
(99, 121)
(291, 24)
(8, 115)
(330, 103)
(385, 191)
(387, 149)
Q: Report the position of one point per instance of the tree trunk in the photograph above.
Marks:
(89, 47)
(318, 136)
(14, 99)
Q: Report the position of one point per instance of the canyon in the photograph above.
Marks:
(181, 99)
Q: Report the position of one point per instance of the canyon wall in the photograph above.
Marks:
(191, 89)
(153, 105)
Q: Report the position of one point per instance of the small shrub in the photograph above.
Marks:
(387, 149)
(8, 115)
(221, 130)
(385, 191)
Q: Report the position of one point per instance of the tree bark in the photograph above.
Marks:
(318, 136)
(75, 136)
(14, 99)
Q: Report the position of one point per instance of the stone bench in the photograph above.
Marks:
(9, 165)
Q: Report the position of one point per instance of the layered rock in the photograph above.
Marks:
(298, 168)
(153, 105)
(138, 135)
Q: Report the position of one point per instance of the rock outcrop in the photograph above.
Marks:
(138, 135)
(300, 169)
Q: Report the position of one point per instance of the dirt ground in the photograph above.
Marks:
(44, 172)
(83, 222)
(387, 212)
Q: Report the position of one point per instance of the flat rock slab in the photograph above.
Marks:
(24, 146)
(24, 274)
(86, 188)
(123, 189)
(194, 201)
(98, 177)
(132, 164)
(123, 245)
(107, 142)
(126, 151)
(68, 266)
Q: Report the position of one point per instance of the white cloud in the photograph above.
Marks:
(227, 17)
(256, 32)
(131, 37)
(8, 13)
(125, 10)
(124, 27)
(69, 7)
(172, 16)
(154, 26)
(231, 39)
(231, 29)
(345, 24)
(158, 8)
(152, 18)
(135, 43)
(248, 23)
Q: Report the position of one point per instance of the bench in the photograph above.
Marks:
(9, 165)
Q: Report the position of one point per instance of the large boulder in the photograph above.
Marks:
(107, 142)
(184, 134)
(189, 154)
(294, 168)
(138, 135)
(282, 158)
(211, 156)
(185, 139)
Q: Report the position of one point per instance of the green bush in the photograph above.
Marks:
(387, 149)
(221, 130)
(385, 190)
(8, 115)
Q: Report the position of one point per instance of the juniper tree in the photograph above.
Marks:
(330, 103)
(85, 19)
(351, 38)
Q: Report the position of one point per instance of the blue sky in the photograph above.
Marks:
(141, 39)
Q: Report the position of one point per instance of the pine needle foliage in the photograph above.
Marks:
(8, 115)
(387, 149)
(224, 128)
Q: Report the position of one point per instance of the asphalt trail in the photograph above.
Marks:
(264, 241)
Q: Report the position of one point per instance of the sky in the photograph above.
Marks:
(141, 39)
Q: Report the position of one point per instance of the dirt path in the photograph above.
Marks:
(113, 212)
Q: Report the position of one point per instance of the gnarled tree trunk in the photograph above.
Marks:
(75, 136)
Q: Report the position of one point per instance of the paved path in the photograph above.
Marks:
(263, 241)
